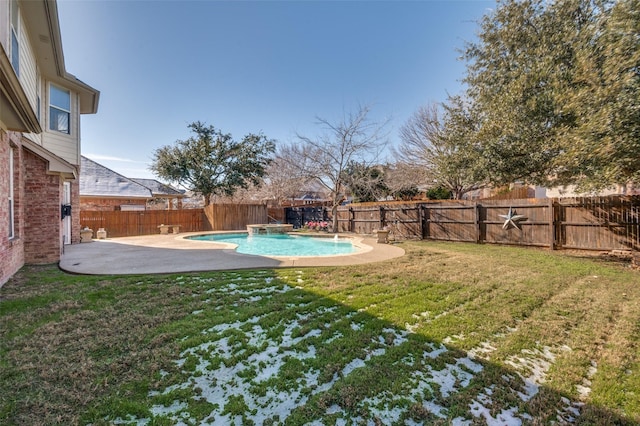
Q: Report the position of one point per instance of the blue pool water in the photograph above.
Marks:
(281, 244)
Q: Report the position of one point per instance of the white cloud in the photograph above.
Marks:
(100, 157)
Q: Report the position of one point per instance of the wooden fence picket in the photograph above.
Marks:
(596, 223)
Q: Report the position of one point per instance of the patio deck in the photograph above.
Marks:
(156, 254)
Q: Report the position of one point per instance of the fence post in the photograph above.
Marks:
(552, 225)
(381, 218)
(476, 213)
(351, 219)
(426, 224)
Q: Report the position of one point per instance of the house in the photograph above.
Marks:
(311, 192)
(164, 196)
(103, 189)
(570, 191)
(40, 108)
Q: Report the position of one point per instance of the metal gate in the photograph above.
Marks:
(299, 216)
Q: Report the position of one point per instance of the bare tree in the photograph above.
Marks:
(404, 181)
(353, 139)
(440, 150)
(366, 183)
(283, 180)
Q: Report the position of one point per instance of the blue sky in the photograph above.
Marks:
(255, 66)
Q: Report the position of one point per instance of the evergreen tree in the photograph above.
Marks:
(555, 87)
(212, 163)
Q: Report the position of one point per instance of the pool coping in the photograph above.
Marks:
(156, 254)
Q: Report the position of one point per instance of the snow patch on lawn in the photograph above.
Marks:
(423, 318)
(532, 368)
(506, 417)
(267, 362)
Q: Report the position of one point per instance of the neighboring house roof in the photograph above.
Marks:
(97, 180)
(312, 189)
(159, 189)
(314, 185)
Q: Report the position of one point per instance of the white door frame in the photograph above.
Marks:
(66, 221)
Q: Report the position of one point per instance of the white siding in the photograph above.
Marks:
(33, 137)
(37, 137)
(61, 144)
(28, 71)
(29, 78)
(4, 25)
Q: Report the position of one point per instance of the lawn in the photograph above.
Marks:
(448, 334)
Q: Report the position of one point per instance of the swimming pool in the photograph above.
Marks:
(282, 244)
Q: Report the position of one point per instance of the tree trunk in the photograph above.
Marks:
(334, 217)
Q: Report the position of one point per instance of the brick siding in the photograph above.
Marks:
(11, 250)
(75, 212)
(107, 204)
(43, 225)
(37, 199)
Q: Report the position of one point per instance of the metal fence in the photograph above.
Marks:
(299, 216)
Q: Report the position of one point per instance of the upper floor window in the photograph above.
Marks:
(15, 40)
(59, 109)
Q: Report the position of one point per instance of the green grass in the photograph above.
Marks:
(387, 342)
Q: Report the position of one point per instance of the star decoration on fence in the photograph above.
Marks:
(512, 220)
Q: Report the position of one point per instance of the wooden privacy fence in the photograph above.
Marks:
(276, 214)
(215, 217)
(131, 223)
(599, 223)
(231, 217)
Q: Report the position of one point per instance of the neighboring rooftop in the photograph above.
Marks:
(158, 188)
(100, 181)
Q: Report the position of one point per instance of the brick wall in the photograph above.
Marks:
(37, 198)
(11, 250)
(43, 226)
(107, 204)
(75, 212)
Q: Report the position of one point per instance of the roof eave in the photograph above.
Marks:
(42, 16)
(17, 113)
(55, 164)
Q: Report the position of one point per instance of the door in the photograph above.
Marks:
(66, 221)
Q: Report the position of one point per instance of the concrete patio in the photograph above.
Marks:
(155, 254)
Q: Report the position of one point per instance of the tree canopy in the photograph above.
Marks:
(212, 163)
(438, 144)
(555, 89)
(365, 183)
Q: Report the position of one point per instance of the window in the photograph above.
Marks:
(15, 43)
(11, 203)
(59, 109)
